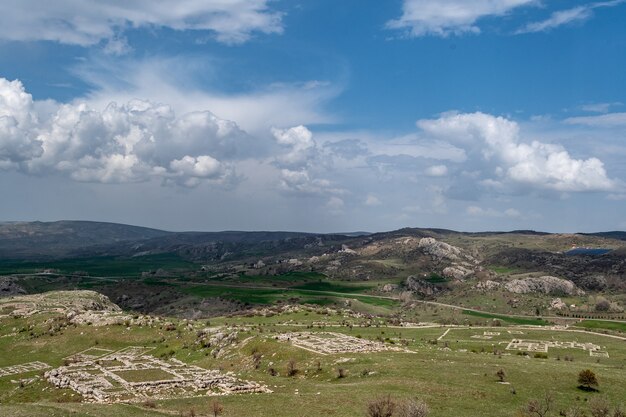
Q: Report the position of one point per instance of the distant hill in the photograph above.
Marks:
(51, 239)
(70, 239)
(610, 235)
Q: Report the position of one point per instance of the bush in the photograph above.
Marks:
(292, 370)
(413, 408)
(381, 407)
(587, 380)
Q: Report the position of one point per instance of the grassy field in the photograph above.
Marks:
(331, 293)
(507, 319)
(601, 324)
(455, 375)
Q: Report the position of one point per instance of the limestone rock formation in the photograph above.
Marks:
(420, 286)
(544, 285)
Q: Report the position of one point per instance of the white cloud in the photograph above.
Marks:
(88, 22)
(564, 17)
(180, 82)
(494, 143)
(477, 211)
(437, 171)
(604, 120)
(300, 144)
(371, 200)
(299, 162)
(599, 107)
(335, 205)
(446, 17)
(132, 142)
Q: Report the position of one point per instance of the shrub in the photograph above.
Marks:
(501, 375)
(587, 380)
(217, 408)
(292, 370)
(413, 408)
(381, 407)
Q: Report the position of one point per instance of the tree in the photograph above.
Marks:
(540, 408)
(216, 408)
(381, 407)
(414, 408)
(587, 380)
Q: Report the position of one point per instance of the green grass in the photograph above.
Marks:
(503, 269)
(507, 319)
(332, 287)
(435, 279)
(270, 295)
(601, 324)
(458, 380)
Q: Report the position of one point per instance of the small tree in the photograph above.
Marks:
(217, 408)
(381, 407)
(414, 408)
(501, 375)
(540, 408)
(292, 370)
(587, 380)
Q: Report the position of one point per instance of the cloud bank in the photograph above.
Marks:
(494, 146)
(133, 142)
(89, 22)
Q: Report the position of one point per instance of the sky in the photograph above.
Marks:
(320, 116)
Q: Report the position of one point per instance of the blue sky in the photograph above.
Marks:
(316, 116)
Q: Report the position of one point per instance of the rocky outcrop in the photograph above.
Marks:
(390, 287)
(460, 265)
(543, 285)
(557, 304)
(459, 272)
(487, 285)
(440, 250)
(421, 287)
(9, 287)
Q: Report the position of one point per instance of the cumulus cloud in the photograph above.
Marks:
(300, 163)
(494, 143)
(446, 17)
(564, 17)
(133, 142)
(180, 82)
(88, 22)
(301, 148)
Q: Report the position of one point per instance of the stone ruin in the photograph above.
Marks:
(23, 368)
(131, 375)
(543, 345)
(329, 343)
